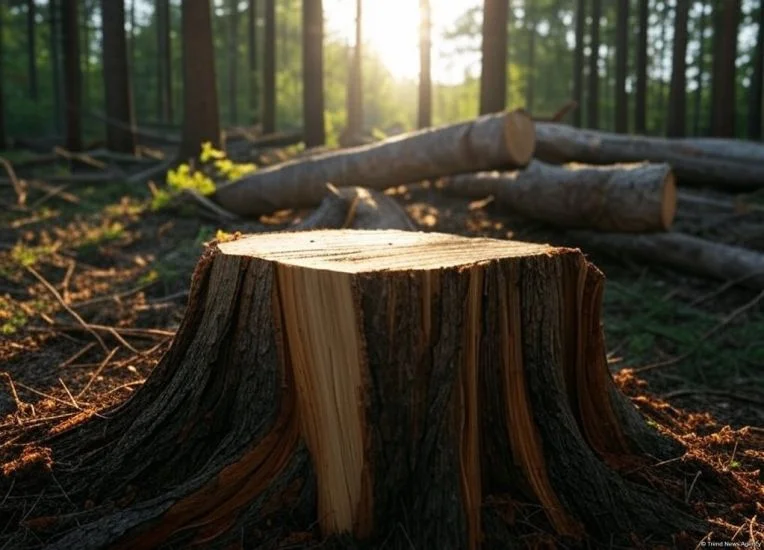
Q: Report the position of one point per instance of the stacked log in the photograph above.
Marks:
(728, 163)
(636, 198)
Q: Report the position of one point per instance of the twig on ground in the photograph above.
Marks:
(708, 391)
(206, 203)
(116, 296)
(15, 394)
(724, 322)
(18, 185)
(45, 395)
(98, 371)
(726, 286)
(145, 333)
(122, 341)
(127, 386)
(152, 171)
(37, 421)
(50, 193)
(74, 401)
(73, 313)
(67, 279)
(169, 297)
(692, 486)
(81, 157)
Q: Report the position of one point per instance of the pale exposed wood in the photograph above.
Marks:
(493, 141)
(729, 163)
(626, 198)
(686, 252)
(360, 251)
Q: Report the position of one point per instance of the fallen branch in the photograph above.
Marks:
(139, 132)
(628, 198)
(142, 333)
(114, 156)
(348, 207)
(729, 163)
(18, 185)
(489, 142)
(84, 158)
(705, 336)
(692, 254)
(83, 179)
(153, 171)
(57, 296)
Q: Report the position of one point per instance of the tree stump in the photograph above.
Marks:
(372, 386)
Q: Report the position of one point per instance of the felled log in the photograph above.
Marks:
(345, 208)
(492, 141)
(725, 162)
(143, 133)
(627, 198)
(389, 387)
(685, 252)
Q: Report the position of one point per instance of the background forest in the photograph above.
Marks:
(541, 52)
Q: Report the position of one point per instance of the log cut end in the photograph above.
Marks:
(520, 137)
(669, 200)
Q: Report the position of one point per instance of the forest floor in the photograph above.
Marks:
(101, 254)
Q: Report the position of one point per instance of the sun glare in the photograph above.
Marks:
(391, 29)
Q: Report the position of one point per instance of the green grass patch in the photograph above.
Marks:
(647, 327)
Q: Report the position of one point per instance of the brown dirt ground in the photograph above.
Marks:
(120, 266)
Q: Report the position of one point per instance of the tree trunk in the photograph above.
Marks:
(632, 199)
(131, 40)
(493, 72)
(662, 104)
(54, 17)
(424, 110)
(578, 63)
(269, 69)
(756, 91)
(640, 100)
(254, 89)
(723, 91)
(530, 23)
(678, 93)
(489, 142)
(621, 67)
(593, 98)
(313, 72)
(87, 13)
(233, 61)
(32, 48)
(72, 74)
(164, 62)
(392, 387)
(3, 139)
(201, 121)
(734, 164)
(119, 104)
(355, 81)
(700, 70)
